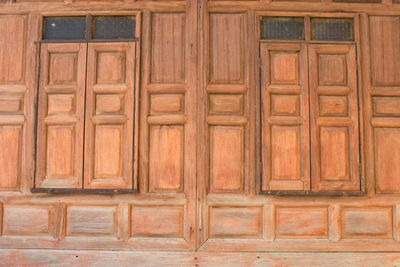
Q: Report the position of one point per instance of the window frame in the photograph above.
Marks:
(136, 72)
(258, 99)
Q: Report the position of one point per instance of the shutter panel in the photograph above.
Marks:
(61, 116)
(109, 116)
(334, 118)
(285, 118)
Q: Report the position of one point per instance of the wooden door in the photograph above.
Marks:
(334, 117)
(285, 118)
(61, 116)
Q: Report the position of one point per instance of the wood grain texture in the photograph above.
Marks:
(13, 49)
(90, 220)
(226, 159)
(235, 222)
(284, 117)
(109, 116)
(166, 162)
(334, 133)
(374, 222)
(226, 41)
(385, 46)
(26, 219)
(157, 221)
(60, 123)
(168, 48)
(301, 222)
(387, 169)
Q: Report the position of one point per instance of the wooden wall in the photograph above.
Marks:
(197, 168)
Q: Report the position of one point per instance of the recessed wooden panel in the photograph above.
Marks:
(333, 106)
(386, 106)
(167, 103)
(21, 219)
(334, 153)
(226, 158)
(91, 220)
(63, 67)
(11, 104)
(12, 52)
(368, 222)
(301, 222)
(108, 151)
(166, 158)
(385, 50)
(110, 67)
(61, 104)
(168, 47)
(231, 104)
(226, 45)
(286, 153)
(10, 156)
(157, 221)
(60, 151)
(285, 68)
(387, 160)
(112, 104)
(285, 105)
(235, 222)
(332, 69)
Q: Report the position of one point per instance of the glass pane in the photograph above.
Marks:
(284, 28)
(64, 28)
(113, 27)
(332, 29)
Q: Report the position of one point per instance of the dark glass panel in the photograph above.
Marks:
(64, 28)
(332, 29)
(282, 28)
(113, 27)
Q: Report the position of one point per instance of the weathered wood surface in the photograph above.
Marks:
(199, 74)
(127, 258)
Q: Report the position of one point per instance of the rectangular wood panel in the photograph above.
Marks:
(235, 222)
(13, 30)
(168, 48)
(301, 222)
(91, 220)
(335, 158)
(27, 219)
(284, 107)
(226, 44)
(226, 159)
(367, 222)
(109, 116)
(385, 50)
(61, 116)
(10, 156)
(166, 158)
(387, 159)
(157, 221)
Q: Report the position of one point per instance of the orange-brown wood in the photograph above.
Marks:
(285, 117)
(183, 110)
(61, 112)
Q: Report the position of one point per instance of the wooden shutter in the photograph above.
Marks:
(61, 116)
(334, 117)
(285, 118)
(109, 116)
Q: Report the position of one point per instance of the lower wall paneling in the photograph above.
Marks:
(186, 259)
